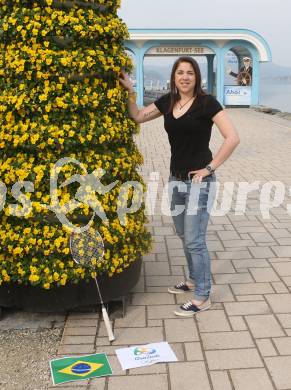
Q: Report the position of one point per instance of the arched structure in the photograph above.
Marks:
(211, 43)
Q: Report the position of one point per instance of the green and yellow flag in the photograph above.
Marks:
(81, 367)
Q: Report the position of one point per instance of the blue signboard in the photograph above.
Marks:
(237, 95)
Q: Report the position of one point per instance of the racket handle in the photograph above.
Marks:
(107, 324)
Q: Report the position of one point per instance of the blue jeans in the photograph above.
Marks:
(190, 205)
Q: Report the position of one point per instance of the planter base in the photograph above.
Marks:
(71, 296)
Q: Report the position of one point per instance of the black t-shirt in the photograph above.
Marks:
(189, 135)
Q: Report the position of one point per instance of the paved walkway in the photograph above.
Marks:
(244, 341)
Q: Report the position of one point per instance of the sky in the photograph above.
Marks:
(271, 19)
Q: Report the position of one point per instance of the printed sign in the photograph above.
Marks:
(237, 96)
(145, 355)
(70, 369)
(178, 50)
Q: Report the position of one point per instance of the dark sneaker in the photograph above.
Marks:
(180, 288)
(189, 309)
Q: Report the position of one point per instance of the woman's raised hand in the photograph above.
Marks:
(125, 81)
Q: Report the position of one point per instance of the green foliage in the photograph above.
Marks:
(60, 97)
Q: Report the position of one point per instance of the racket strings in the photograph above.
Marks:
(87, 248)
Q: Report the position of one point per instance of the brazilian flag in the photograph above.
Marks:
(77, 368)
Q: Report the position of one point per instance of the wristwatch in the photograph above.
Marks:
(210, 169)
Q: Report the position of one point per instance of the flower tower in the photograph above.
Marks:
(60, 98)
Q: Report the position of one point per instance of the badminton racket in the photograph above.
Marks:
(87, 249)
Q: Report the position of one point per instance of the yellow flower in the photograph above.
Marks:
(34, 138)
(102, 138)
(7, 278)
(23, 34)
(43, 96)
(33, 278)
(21, 271)
(17, 251)
(64, 61)
(63, 279)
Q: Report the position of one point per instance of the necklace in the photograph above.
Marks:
(183, 105)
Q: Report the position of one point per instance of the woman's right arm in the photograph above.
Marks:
(139, 115)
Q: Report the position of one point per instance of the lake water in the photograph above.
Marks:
(276, 95)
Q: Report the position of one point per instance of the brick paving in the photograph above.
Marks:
(244, 341)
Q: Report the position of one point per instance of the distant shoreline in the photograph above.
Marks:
(272, 111)
(153, 95)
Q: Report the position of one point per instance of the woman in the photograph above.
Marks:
(189, 115)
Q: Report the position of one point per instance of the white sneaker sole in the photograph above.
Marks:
(192, 313)
(179, 291)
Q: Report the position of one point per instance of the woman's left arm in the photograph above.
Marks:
(230, 135)
(231, 140)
